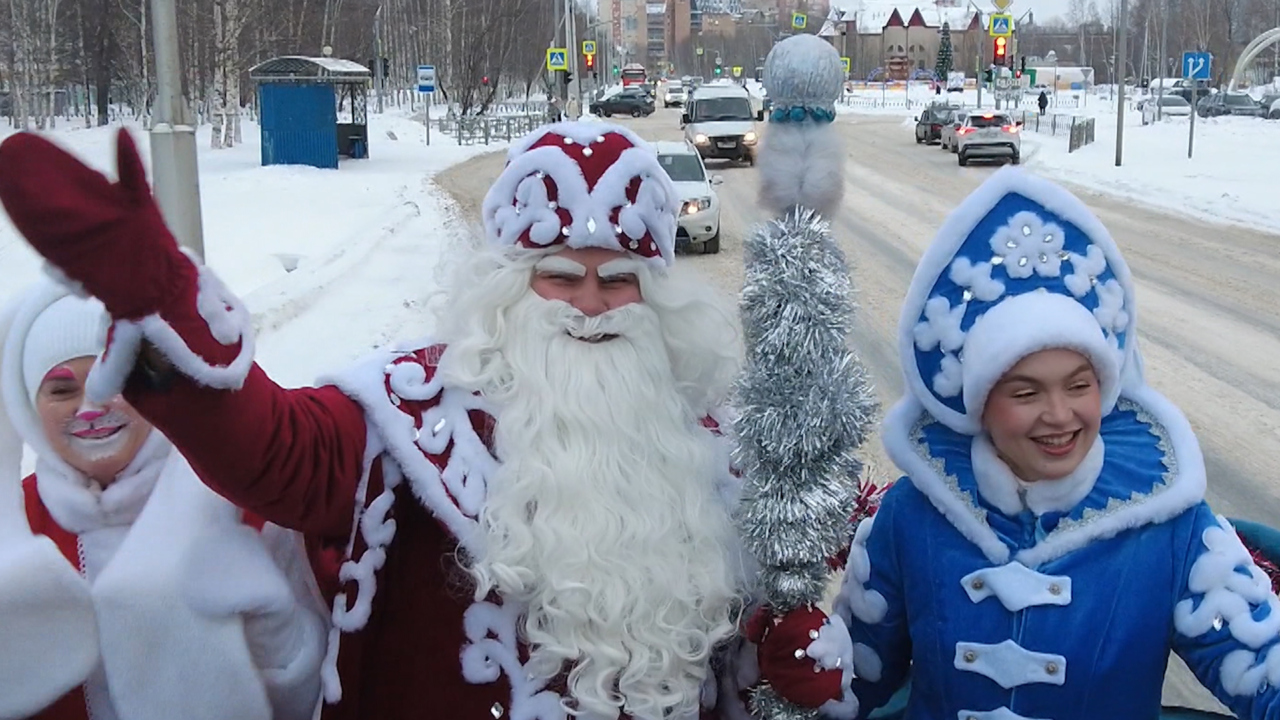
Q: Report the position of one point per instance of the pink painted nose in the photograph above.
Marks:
(89, 415)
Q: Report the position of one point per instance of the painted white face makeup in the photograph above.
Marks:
(97, 434)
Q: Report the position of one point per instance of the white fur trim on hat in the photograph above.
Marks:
(70, 328)
(1025, 324)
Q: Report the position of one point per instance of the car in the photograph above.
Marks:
(947, 138)
(1229, 103)
(1271, 102)
(1168, 106)
(699, 224)
(674, 94)
(720, 122)
(988, 135)
(930, 121)
(629, 101)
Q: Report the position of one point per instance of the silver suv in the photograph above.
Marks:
(988, 135)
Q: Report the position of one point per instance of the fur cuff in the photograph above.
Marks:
(227, 321)
(833, 650)
(49, 632)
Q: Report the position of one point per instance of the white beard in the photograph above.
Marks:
(603, 520)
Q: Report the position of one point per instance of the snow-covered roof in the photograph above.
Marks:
(872, 15)
(297, 67)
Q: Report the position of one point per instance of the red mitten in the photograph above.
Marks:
(108, 237)
(798, 679)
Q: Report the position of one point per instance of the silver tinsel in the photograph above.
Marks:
(766, 703)
(804, 400)
(805, 407)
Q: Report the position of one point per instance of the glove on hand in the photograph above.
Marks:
(108, 237)
(797, 679)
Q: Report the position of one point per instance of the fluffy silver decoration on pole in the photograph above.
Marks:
(801, 151)
(804, 400)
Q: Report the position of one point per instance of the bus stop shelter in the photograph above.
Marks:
(312, 110)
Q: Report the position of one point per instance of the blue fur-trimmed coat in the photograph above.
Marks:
(1054, 601)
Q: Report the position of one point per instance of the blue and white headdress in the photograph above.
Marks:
(1020, 266)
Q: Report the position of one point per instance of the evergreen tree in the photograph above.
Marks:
(943, 66)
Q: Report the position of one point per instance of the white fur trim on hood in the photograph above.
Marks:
(55, 646)
(1025, 324)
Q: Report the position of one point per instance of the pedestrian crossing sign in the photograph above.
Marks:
(844, 63)
(737, 71)
(799, 20)
(1001, 25)
(588, 47)
(557, 59)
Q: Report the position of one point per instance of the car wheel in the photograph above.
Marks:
(637, 113)
(919, 139)
(1017, 159)
(712, 246)
(608, 113)
(961, 159)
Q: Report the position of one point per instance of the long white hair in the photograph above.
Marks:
(604, 520)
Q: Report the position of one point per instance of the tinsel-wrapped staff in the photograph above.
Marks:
(804, 399)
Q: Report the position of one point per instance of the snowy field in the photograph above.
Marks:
(365, 241)
(1232, 177)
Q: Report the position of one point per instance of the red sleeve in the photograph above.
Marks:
(293, 457)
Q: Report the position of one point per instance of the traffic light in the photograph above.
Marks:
(615, 70)
(485, 81)
(988, 75)
(1023, 66)
(591, 62)
(568, 77)
(386, 67)
(1000, 56)
(717, 71)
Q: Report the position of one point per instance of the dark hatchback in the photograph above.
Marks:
(931, 121)
(631, 101)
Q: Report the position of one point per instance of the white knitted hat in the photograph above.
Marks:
(70, 328)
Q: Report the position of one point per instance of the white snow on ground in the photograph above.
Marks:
(368, 239)
(1231, 178)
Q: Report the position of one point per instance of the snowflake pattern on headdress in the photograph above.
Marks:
(1019, 246)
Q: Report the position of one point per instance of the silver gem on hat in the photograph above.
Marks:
(617, 229)
(1026, 230)
(1011, 244)
(599, 138)
(565, 231)
(633, 245)
(591, 225)
(1022, 261)
(586, 152)
(539, 174)
(568, 141)
(553, 204)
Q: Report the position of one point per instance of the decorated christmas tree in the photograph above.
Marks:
(943, 66)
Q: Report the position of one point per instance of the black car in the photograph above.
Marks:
(930, 122)
(631, 101)
(1229, 103)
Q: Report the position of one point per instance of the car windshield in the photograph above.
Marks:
(682, 167)
(1239, 100)
(722, 108)
(986, 121)
(1174, 101)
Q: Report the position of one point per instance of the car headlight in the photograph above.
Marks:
(749, 138)
(698, 205)
(700, 139)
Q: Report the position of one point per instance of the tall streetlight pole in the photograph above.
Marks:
(981, 41)
(378, 77)
(174, 169)
(573, 107)
(1121, 54)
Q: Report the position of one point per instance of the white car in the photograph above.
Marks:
(674, 94)
(1169, 106)
(699, 228)
(988, 135)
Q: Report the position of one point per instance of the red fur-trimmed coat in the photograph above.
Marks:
(384, 471)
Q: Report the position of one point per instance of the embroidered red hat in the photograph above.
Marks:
(584, 184)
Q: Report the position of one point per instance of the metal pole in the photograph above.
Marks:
(1164, 34)
(1120, 63)
(557, 88)
(1191, 134)
(174, 170)
(377, 55)
(571, 55)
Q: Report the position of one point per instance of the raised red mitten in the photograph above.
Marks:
(109, 237)
(793, 677)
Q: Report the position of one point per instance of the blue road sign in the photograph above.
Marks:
(426, 78)
(1196, 65)
(557, 59)
(1001, 25)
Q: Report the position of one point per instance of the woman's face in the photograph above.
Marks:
(98, 440)
(1043, 415)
